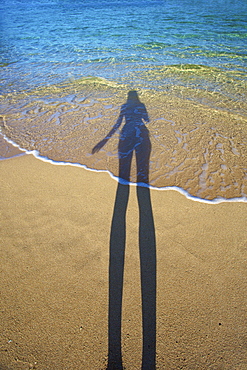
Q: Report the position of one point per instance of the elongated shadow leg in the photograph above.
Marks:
(147, 245)
(116, 270)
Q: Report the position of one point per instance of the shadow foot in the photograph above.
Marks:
(115, 365)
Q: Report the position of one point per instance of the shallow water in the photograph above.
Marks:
(67, 67)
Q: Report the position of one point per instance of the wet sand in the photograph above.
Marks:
(197, 144)
(55, 235)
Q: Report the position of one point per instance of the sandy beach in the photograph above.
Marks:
(55, 232)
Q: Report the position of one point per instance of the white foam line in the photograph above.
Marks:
(195, 199)
(36, 154)
(13, 143)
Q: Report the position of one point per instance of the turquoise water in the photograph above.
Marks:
(46, 42)
(66, 67)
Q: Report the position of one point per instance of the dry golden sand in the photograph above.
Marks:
(54, 274)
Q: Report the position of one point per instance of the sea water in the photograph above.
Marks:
(67, 66)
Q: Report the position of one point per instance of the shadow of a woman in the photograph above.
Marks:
(134, 137)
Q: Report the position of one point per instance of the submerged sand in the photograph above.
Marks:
(55, 235)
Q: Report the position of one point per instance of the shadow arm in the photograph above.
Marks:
(110, 133)
(145, 116)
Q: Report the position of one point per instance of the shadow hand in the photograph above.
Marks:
(99, 146)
